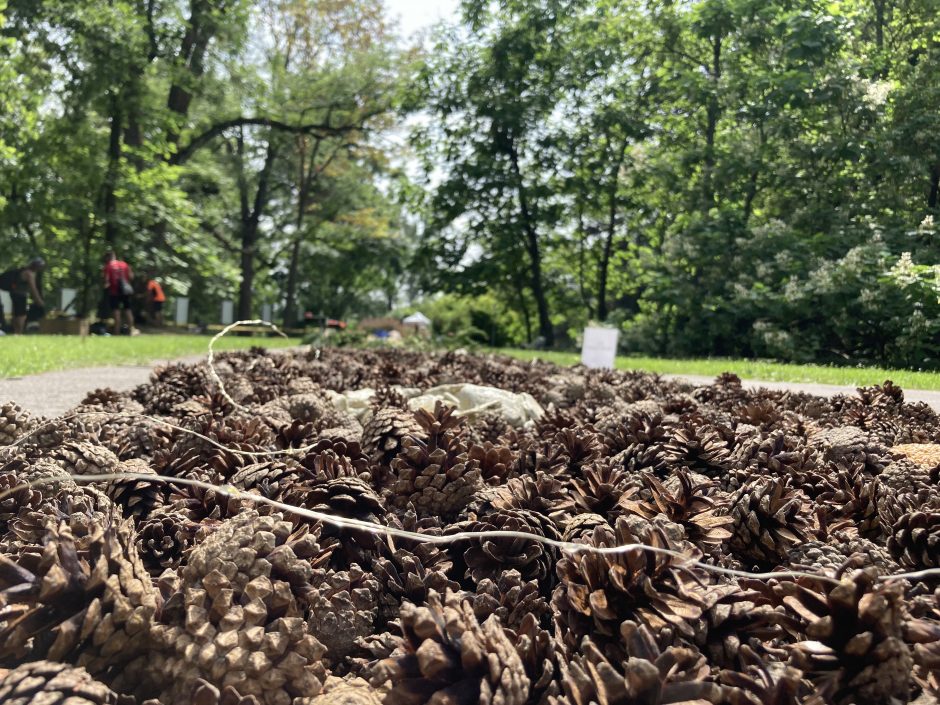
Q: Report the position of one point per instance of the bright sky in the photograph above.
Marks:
(416, 15)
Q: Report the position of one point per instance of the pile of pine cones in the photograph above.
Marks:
(135, 591)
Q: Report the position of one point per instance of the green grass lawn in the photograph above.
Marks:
(753, 369)
(29, 354)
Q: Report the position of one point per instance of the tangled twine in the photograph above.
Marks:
(382, 529)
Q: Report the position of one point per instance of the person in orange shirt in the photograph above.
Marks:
(155, 298)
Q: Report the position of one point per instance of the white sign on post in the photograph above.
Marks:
(182, 310)
(6, 302)
(267, 313)
(67, 299)
(599, 348)
(228, 313)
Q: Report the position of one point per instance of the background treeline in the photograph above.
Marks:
(723, 177)
(726, 177)
(235, 146)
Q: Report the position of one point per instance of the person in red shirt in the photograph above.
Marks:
(117, 282)
(155, 298)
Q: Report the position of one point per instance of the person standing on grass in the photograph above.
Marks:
(117, 282)
(155, 298)
(22, 282)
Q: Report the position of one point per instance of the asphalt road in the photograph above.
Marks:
(54, 393)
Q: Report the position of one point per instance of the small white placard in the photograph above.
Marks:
(67, 299)
(600, 347)
(228, 313)
(267, 313)
(182, 310)
(7, 304)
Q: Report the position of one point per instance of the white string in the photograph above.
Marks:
(381, 529)
(210, 357)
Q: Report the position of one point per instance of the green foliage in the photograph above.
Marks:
(723, 177)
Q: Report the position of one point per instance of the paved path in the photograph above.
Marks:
(54, 393)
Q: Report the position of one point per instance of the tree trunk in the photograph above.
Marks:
(523, 308)
(249, 229)
(535, 254)
(192, 56)
(611, 230)
(934, 193)
(713, 112)
(290, 298)
(111, 176)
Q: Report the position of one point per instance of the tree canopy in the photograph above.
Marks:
(714, 177)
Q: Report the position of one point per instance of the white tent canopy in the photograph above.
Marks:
(417, 319)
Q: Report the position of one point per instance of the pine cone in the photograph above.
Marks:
(383, 435)
(856, 497)
(487, 558)
(698, 448)
(914, 540)
(163, 539)
(20, 497)
(342, 607)
(15, 422)
(636, 429)
(856, 653)
(689, 506)
(409, 576)
(598, 592)
(138, 498)
(50, 683)
(85, 458)
(332, 458)
(511, 598)
(494, 462)
(88, 602)
(599, 490)
(768, 520)
(433, 472)
(237, 618)
(582, 525)
(851, 446)
(904, 476)
(759, 685)
(448, 656)
(644, 674)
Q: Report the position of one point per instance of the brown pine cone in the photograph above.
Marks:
(914, 540)
(511, 598)
(163, 539)
(448, 656)
(15, 422)
(88, 600)
(488, 558)
(768, 519)
(51, 683)
(383, 435)
(598, 592)
(138, 498)
(644, 674)
(85, 458)
(409, 576)
(342, 607)
(237, 618)
(433, 472)
(855, 652)
(704, 518)
(699, 448)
